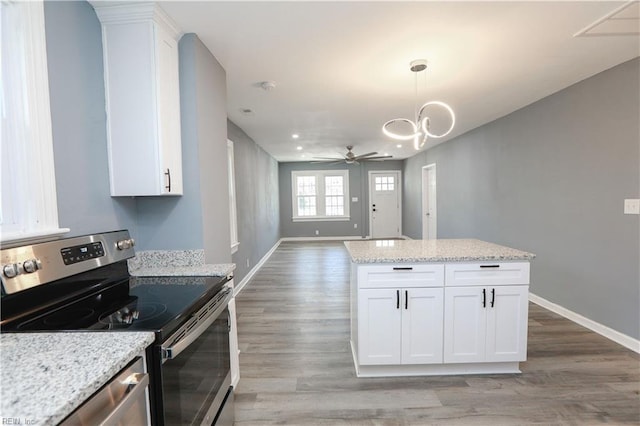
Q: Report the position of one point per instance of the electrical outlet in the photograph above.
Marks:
(247, 263)
(317, 232)
(632, 206)
(355, 226)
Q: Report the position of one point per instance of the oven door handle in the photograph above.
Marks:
(172, 351)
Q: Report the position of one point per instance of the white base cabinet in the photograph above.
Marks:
(436, 318)
(400, 326)
(485, 324)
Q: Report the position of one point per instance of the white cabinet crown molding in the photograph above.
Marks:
(130, 12)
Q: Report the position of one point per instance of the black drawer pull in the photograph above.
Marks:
(484, 297)
(403, 268)
(397, 299)
(489, 266)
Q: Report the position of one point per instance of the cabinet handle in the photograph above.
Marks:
(403, 268)
(493, 296)
(484, 297)
(168, 175)
(406, 299)
(397, 299)
(489, 266)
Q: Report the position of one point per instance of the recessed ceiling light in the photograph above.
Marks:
(295, 136)
(299, 148)
(246, 111)
(399, 145)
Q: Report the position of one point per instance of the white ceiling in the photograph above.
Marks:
(342, 68)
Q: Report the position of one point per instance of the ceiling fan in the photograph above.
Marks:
(351, 158)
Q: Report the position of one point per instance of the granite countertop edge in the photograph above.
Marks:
(63, 370)
(430, 251)
(205, 270)
(417, 259)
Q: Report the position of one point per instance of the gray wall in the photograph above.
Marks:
(258, 208)
(358, 175)
(200, 217)
(76, 85)
(551, 179)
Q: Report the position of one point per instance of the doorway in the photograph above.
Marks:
(385, 205)
(429, 209)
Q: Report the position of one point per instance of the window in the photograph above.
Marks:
(384, 183)
(320, 195)
(28, 206)
(233, 212)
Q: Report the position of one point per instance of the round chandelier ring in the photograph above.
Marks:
(424, 122)
(397, 136)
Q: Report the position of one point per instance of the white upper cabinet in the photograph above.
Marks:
(140, 48)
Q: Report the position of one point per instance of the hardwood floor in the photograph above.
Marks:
(296, 366)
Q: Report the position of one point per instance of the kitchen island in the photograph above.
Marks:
(433, 307)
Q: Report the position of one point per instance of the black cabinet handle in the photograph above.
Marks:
(489, 266)
(484, 297)
(406, 299)
(403, 268)
(397, 299)
(168, 175)
(493, 296)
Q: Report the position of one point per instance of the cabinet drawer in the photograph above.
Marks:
(400, 275)
(487, 273)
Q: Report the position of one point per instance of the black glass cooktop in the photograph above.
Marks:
(138, 304)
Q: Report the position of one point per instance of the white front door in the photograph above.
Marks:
(429, 211)
(384, 204)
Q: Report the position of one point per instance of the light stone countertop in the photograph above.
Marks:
(444, 250)
(46, 376)
(175, 263)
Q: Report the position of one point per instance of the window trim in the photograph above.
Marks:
(34, 207)
(320, 194)
(233, 208)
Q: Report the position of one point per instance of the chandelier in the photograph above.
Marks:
(420, 127)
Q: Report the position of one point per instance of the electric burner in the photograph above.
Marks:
(134, 312)
(63, 318)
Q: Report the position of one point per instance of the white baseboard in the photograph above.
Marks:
(350, 237)
(611, 334)
(238, 288)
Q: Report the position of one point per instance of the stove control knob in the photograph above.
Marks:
(31, 265)
(11, 270)
(124, 244)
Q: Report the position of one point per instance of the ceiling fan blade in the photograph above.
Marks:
(328, 158)
(379, 158)
(366, 155)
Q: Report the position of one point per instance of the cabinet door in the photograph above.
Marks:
(507, 323)
(422, 310)
(464, 324)
(379, 323)
(168, 113)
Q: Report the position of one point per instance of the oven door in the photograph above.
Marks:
(195, 374)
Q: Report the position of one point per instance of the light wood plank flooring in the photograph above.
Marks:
(296, 366)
